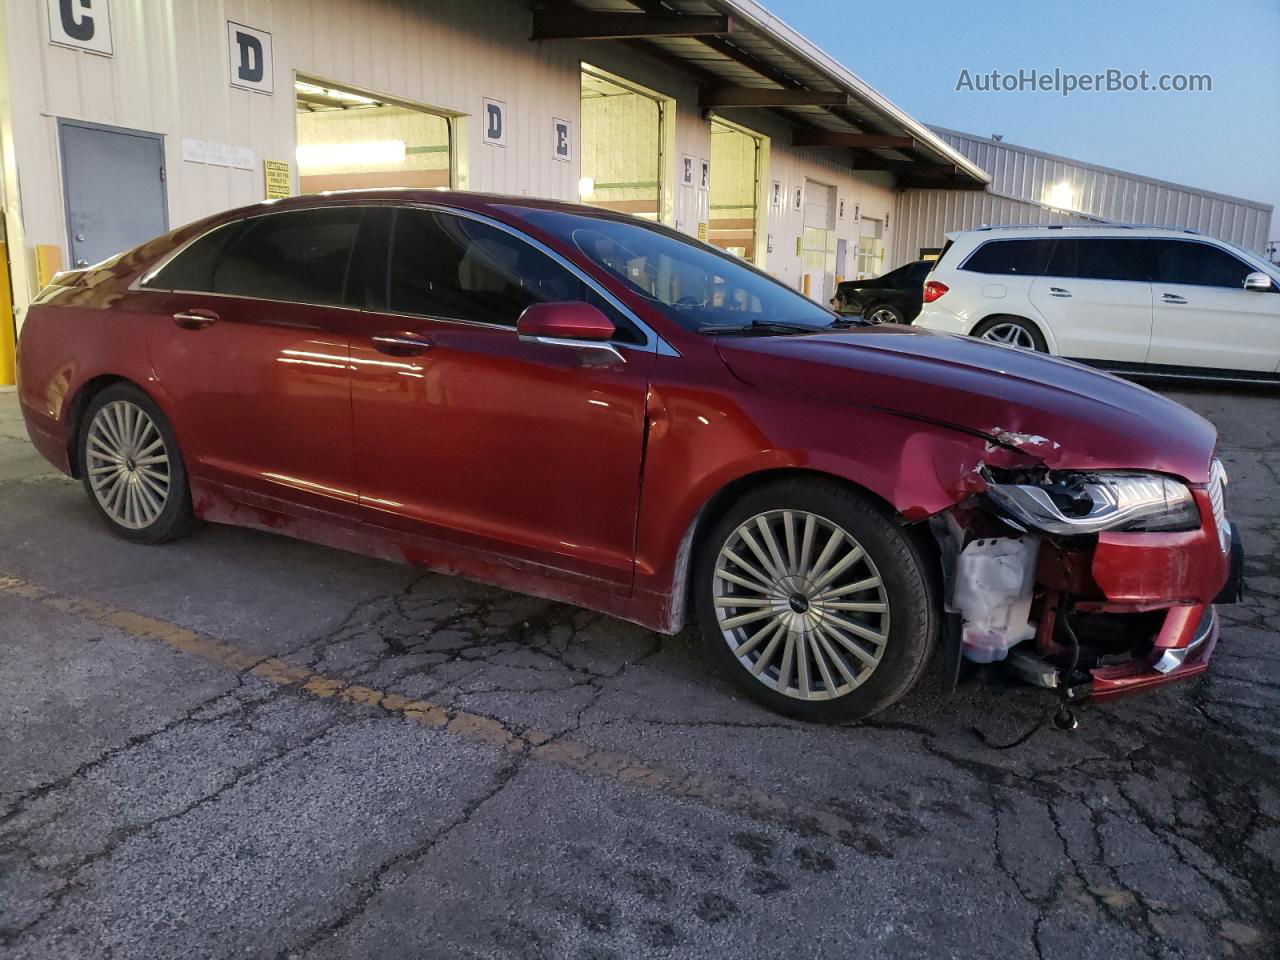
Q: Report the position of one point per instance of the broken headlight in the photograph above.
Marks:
(1075, 504)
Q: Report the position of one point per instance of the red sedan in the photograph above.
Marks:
(592, 408)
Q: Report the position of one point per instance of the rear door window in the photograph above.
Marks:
(1193, 262)
(300, 256)
(1011, 257)
(1102, 258)
(457, 268)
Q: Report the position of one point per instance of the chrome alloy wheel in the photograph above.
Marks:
(800, 604)
(882, 315)
(128, 464)
(1013, 334)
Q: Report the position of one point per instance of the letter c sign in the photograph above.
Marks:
(249, 53)
(84, 24)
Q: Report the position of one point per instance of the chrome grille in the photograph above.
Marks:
(1217, 499)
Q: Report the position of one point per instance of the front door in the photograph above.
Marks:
(1095, 296)
(250, 348)
(1204, 317)
(465, 433)
(113, 181)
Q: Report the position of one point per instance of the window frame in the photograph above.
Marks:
(653, 343)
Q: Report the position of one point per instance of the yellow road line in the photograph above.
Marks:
(563, 752)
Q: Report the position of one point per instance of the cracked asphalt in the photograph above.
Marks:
(241, 745)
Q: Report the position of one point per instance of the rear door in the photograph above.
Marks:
(1095, 296)
(251, 350)
(474, 436)
(1203, 315)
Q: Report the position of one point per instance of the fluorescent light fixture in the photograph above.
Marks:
(1061, 196)
(315, 90)
(360, 153)
(586, 187)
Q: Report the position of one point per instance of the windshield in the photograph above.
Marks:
(698, 287)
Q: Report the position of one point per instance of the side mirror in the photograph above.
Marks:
(572, 320)
(1259, 281)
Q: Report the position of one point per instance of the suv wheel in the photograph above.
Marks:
(814, 601)
(1013, 332)
(133, 471)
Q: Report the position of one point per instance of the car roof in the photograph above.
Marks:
(1074, 230)
(463, 199)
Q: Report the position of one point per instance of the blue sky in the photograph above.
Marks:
(1226, 140)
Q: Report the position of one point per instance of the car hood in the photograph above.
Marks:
(1060, 413)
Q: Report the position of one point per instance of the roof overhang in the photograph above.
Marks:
(742, 56)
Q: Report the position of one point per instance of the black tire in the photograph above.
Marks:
(908, 591)
(176, 518)
(1028, 327)
(883, 313)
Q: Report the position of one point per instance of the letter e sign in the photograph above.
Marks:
(495, 122)
(562, 149)
(83, 24)
(249, 51)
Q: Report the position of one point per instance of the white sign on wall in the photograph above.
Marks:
(83, 24)
(495, 122)
(686, 170)
(249, 51)
(562, 139)
(217, 154)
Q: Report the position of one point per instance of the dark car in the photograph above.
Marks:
(596, 409)
(894, 297)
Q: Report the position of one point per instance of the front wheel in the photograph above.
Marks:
(133, 470)
(814, 601)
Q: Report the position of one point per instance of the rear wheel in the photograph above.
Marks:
(133, 470)
(884, 313)
(814, 601)
(1013, 332)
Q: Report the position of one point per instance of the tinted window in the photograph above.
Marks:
(1101, 259)
(192, 269)
(1188, 261)
(1021, 257)
(449, 266)
(691, 283)
(301, 256)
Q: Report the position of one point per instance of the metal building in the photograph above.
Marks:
(120, 119)
(1032, 187)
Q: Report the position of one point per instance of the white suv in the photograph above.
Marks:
(1148, 300)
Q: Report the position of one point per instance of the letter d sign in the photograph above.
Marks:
(249, 52)
(495, 122)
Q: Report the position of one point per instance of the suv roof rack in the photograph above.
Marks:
(1086, 226)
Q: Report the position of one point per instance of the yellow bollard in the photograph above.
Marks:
(8, 333)
(48, 263)
(805, 286)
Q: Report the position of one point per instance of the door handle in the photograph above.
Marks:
(195, 319)
(1173, 298)
(1059, 292)
(401, 344)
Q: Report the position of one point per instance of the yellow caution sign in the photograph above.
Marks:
(276, 179)
(702, 230)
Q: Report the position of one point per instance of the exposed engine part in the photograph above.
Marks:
(1033, 670)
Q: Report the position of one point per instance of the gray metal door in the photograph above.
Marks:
(113, 180)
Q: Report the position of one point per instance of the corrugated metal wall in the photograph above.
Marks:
(1028, 186)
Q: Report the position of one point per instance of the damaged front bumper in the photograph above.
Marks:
(1101, 615)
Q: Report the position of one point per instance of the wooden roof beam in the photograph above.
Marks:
(858, 141)
(596, 25)
(766, 97)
